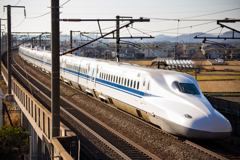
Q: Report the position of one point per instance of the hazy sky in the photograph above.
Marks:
(159, 9)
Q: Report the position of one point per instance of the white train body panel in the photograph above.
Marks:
(171, 100)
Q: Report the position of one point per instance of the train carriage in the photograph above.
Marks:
(168, 99)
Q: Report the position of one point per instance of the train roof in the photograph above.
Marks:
(131, 67)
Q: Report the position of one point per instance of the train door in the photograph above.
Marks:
(95, 76)
(63, 67)
(92, 77)
(88, 69)
(79, 72)
(144, 89)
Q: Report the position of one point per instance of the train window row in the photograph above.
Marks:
(75, 68)
(83, 70)
(68, 66)
(48, 60)
(120, 80)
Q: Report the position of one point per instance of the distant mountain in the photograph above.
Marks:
(160, 38)
(190, 38)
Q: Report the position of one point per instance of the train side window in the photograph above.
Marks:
(119, 80)
(138, 85)
(134, 84)
(100, 75)
(109, 77)
(125, 82)
(144, 83)
(116, 79)
(131, 83)
(148, 85)
(128, 83)
(122, 81)
(113, 78)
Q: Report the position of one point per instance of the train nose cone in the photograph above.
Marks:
(222, 127)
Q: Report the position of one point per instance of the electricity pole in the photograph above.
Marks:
(55, 68)
(117, 38)
(9, 96)
(71, 40)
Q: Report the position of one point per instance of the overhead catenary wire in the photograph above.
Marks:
(208, 31)
(47, 12)
(213, 13)
(149, 48)
(20, 23)
(17, 3)
(177, 28)
(188, 18)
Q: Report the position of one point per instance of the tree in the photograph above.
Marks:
(13, 142)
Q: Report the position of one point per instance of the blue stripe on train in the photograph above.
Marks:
(112, 85)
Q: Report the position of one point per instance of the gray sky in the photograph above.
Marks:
(199, 10)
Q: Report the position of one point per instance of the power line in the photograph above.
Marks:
(17, 3)
(186, 18)
(20, 23)
(47, 12)
(37, 16)
(214, 13)
(179, 27)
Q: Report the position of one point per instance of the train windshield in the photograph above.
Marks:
(189, 88)
(185, 87)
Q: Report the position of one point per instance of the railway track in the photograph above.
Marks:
(156, 128)
(114, 141)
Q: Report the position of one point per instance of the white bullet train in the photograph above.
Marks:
(168, 99)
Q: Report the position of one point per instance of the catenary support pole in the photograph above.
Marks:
(71, 40)
(117, 39)
(40, 37)
(55, 68)
(9, 49)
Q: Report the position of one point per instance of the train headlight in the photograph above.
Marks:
(188, 116)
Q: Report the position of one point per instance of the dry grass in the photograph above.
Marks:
(3, 86)
(204, 63)
(12, 108)
(199, 77)
(15, 117)
(222, 67)
(233, 63)
(143, 63)
(219, 86)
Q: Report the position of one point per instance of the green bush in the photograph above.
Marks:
(13, 142)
